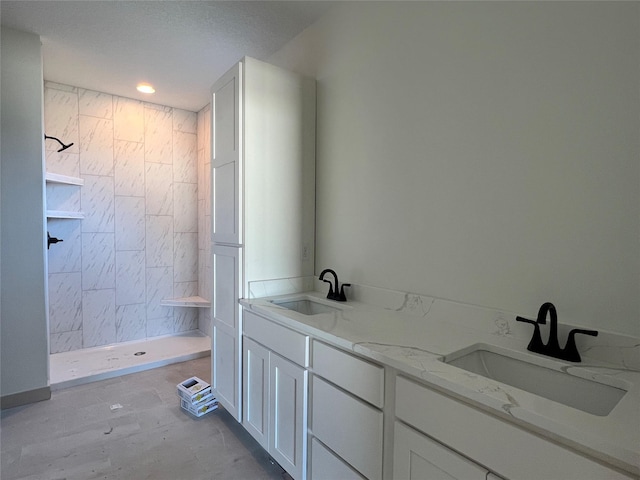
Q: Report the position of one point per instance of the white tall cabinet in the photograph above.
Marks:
(263, 199)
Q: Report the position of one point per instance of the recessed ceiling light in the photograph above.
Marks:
(145, 88)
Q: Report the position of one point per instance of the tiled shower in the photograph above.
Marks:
(145, 201)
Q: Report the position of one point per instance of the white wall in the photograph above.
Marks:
(483, 152)
(23, 303)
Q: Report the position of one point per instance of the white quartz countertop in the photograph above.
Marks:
(412, 334)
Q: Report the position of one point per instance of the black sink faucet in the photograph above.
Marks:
(552, 348)
(336, 293)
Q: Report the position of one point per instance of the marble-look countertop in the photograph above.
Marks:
(411, 333)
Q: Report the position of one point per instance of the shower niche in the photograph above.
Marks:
(63, 196)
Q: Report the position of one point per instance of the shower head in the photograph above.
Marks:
(64, 147)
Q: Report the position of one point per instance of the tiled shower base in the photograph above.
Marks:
(68, 369)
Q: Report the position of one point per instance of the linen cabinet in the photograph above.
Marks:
(262, 199)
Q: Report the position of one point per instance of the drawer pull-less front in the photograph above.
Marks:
(362, 378)
(285, 342)
(350, 427)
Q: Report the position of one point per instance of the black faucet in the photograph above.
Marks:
(333, 292)
(552, 348)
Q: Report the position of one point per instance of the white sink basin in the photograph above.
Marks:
(545, 378)
(305, 306)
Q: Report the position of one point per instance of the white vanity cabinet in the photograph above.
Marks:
(275, 390)
(502, 448)
(262, 199)
(347, 395)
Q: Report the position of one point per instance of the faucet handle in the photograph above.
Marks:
(342, 297)
(570, 351)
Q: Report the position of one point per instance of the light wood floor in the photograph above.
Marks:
(76, 434)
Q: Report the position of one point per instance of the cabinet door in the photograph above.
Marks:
(226, 354)
(255, 391)
(325, 465)
(226, 156)
(418, 457)
(287, 415)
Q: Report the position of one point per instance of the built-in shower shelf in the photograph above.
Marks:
(64, 214)
(63, 179)
(194, 301)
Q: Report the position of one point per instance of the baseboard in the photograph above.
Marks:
(24, 398)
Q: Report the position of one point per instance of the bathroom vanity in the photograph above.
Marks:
(363, 389)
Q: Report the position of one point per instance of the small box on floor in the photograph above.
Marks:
(200, 408)
(194, 390)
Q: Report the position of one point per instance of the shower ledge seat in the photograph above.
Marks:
(194, 301)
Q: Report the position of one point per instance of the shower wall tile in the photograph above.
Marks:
(204, 126)
(63, 197)
(63, 163)
(130, 278)
(128, 119)
(65, 341)
(201, 175)
(60, 86)
(185, 289)
(96, 146)
(65, 302)
(185, 261)
(202, 232)
(159, 287)
(145, 235)
(95, 104)
(185, 121)
(185, 207)
(185, 319)
(205, 287)
(97, 199)
(204, 321)
(129, 168)
(131, 322)
(159, 241)
(98, 317)
(185, 158)
(159, 326)
(65, 256)
(158, 134)
(129, 223)
(61, 118)
(98, 261)
(159, 189)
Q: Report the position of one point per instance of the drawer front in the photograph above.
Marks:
(348, 426)
(512, 451)
(355, 375)
(326, 466)
(285, 342)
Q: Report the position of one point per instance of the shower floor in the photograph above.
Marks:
(68, 369)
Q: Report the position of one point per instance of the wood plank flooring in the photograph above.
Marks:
(77, 435)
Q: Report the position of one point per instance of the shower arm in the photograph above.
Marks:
(64, 147)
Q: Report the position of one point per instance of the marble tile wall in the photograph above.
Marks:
(140, 240)
(204, 215)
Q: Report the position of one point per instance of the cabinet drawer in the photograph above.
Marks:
(285, 342)
(512, 452)
(348, 426)
(359, 377)
(326, 466)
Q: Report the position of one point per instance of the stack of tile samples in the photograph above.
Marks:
(196, 397)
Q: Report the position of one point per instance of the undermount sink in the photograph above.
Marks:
(305, 306)
(542, 379)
